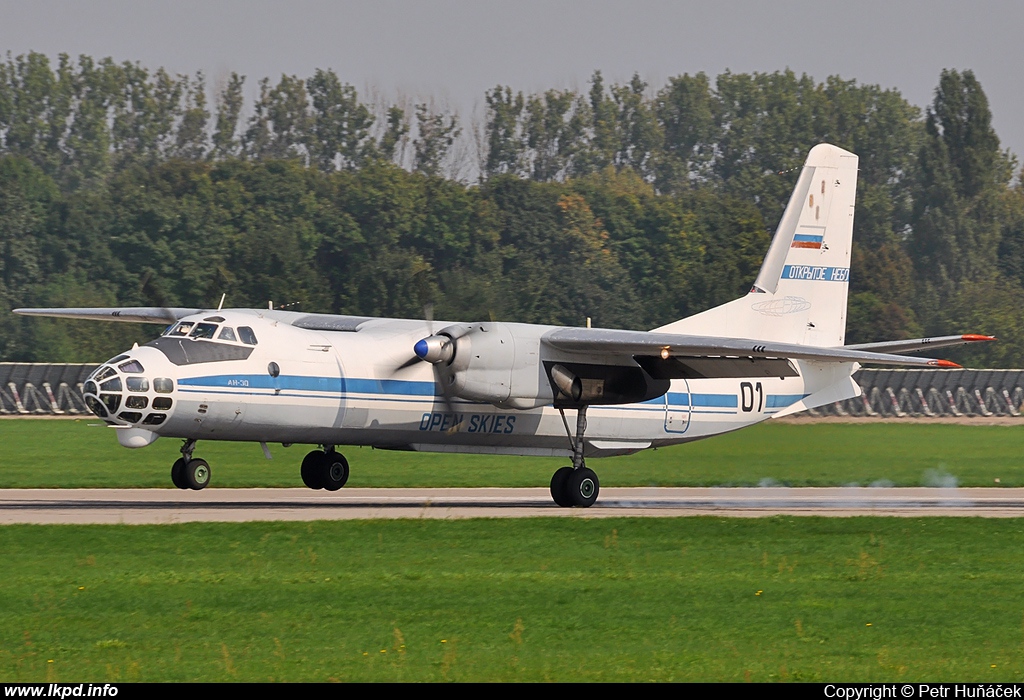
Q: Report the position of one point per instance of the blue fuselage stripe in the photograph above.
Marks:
(342, 386)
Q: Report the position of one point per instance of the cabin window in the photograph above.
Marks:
(111, 401)
(111, 384)
(247, 336)
(137, 384)
(227, 333)
(104, 374)
(131, 416)
(96, 407)
(161, 403)
(136, 402)
(163, 385)
(204, 331)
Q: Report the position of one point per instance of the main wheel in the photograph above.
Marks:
(582, 487)
(196, 474)
(312, 469)
(178, 473)
(558, 491)
(335, 471)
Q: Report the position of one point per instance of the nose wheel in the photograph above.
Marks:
(189, 473)
(324, 469)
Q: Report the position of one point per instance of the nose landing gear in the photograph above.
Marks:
(188, 473)
(576, 485)
(325, 469)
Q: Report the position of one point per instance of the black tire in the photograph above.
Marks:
(582, 487)
(196, 474)
(312, 469)
(335, 471)
(559, 493)
(178, 473)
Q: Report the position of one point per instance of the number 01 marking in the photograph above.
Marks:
(747, 391)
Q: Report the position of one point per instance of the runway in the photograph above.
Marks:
(161, 506)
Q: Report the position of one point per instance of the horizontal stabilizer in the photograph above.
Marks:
(899, 347)
(126, 314)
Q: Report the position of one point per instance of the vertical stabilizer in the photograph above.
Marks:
(800, 293)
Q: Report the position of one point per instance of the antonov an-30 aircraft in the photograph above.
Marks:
(504, 388)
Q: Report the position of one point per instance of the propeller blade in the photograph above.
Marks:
(449, 403)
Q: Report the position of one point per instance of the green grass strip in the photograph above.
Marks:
(684, 599)
(70, 453)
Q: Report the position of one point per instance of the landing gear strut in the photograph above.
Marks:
(325, 469)
(188, 473)
(576, 485)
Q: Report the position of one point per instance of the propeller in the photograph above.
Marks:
(439, 351)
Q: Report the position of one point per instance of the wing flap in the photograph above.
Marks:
(715, 367)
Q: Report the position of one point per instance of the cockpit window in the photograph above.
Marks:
(133, 367)
(137, 384)
(247, 336)
(182, 328)
(227, 333)
(204, 331)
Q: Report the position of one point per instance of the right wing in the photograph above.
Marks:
(126, 314)
(898, 347)
(669, 355)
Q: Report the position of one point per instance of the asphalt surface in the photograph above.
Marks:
(157, 506)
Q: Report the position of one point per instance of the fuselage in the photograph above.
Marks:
(244, 375)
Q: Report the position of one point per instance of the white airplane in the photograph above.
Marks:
(503, 388)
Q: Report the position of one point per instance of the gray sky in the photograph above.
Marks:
(456, 49)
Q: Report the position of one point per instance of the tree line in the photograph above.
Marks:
(625, 203)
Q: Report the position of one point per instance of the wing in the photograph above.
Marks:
(126, 314)
(668, 355)
(902, 346)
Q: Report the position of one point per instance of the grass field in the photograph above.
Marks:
(799, 599)
(70, 453)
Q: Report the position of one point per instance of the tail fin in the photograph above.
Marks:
(800, 293)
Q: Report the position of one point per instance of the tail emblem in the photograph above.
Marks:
(804, 240)
(781, 307)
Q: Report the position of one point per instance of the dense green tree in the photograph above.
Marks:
(435, 135)
(504, 152)
(341, 124)
(229, 109)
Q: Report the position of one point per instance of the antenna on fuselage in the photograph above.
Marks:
(270, 305)
(221, 304)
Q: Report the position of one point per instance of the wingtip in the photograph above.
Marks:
(975, 338)
(945, 364)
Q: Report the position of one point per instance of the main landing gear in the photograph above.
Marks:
(576, 485)
(325, 469)
(189, 473)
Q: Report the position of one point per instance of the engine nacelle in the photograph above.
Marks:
(507, 365)
(498, 363)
